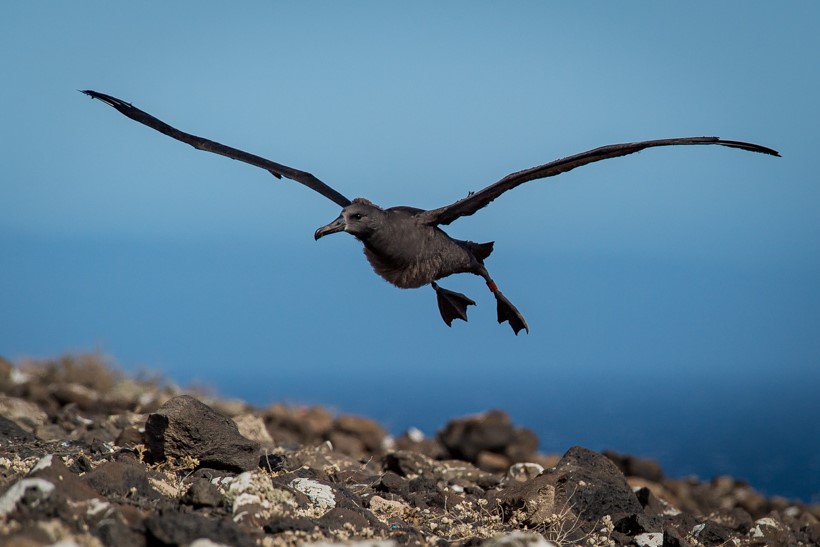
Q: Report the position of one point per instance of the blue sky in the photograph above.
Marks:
(690, 267)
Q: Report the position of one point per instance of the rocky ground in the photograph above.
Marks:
(91, 457)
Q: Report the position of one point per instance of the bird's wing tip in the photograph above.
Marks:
(107, 99)
(96, 95)
(769, 151)
(750, 147)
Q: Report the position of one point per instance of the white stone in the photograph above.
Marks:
(241, 482)
(253, 427)
(768, 521)
(524, 471)
(96, 506)
(18, 376)
(792, 511)
(388, 443)
(44, 463)
(318, 493)
(244, 500)
(26, 414)
(163, 487)
(415, 434)
(649, 539)
(203, 542)
(13, 495)
(520, 539)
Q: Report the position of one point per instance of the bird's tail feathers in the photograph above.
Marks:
(481, 250)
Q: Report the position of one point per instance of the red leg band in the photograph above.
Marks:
(492, 286)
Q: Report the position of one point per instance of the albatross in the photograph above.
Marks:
(406, 245)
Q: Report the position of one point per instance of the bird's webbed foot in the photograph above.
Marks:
(452, 305)
(508, 312)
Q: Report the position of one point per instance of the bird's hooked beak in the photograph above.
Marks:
(337, 225)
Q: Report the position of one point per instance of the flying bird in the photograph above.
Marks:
(405, 245)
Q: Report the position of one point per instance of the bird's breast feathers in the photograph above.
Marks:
(416, 258)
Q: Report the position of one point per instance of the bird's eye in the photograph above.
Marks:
(356, 216)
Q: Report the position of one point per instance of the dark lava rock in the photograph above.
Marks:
(317, 458)
(11, 433)
(493, 432)
(203, 493)
(116, 532)
(394, 484)
(809, 533)
(405, 462)
(118, 479)
(633, 466)
(673, 538)
(273, 462)
(651, 505)
(584, 483)
(737, 519)
(289, 524)
(369, 433)
(52, 469)
(595, 485)
(336, 518)
(638, 523)
(466, 437)
(712, 533)
(683, 523)
(299, 426)
(184, 426)
(129, 436)
(175, 528)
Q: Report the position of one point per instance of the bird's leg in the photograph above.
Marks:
(506, 310)
(452, 305)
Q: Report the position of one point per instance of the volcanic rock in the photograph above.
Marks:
(68, 483)
(117, 479)
(11, 433)
(74, 476)
(177, 528)
(633, 466)
(185, 427)
(203, 493)
(491, 432)
(368, 433)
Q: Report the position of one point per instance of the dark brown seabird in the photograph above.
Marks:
(405, 245)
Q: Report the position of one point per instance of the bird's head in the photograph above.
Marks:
(361, 218)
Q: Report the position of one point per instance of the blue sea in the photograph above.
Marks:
(764, 434)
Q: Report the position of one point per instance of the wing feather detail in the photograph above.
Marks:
(477, 200)
(276, 169)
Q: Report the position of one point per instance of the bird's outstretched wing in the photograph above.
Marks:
(276, 169)
(477, 200)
